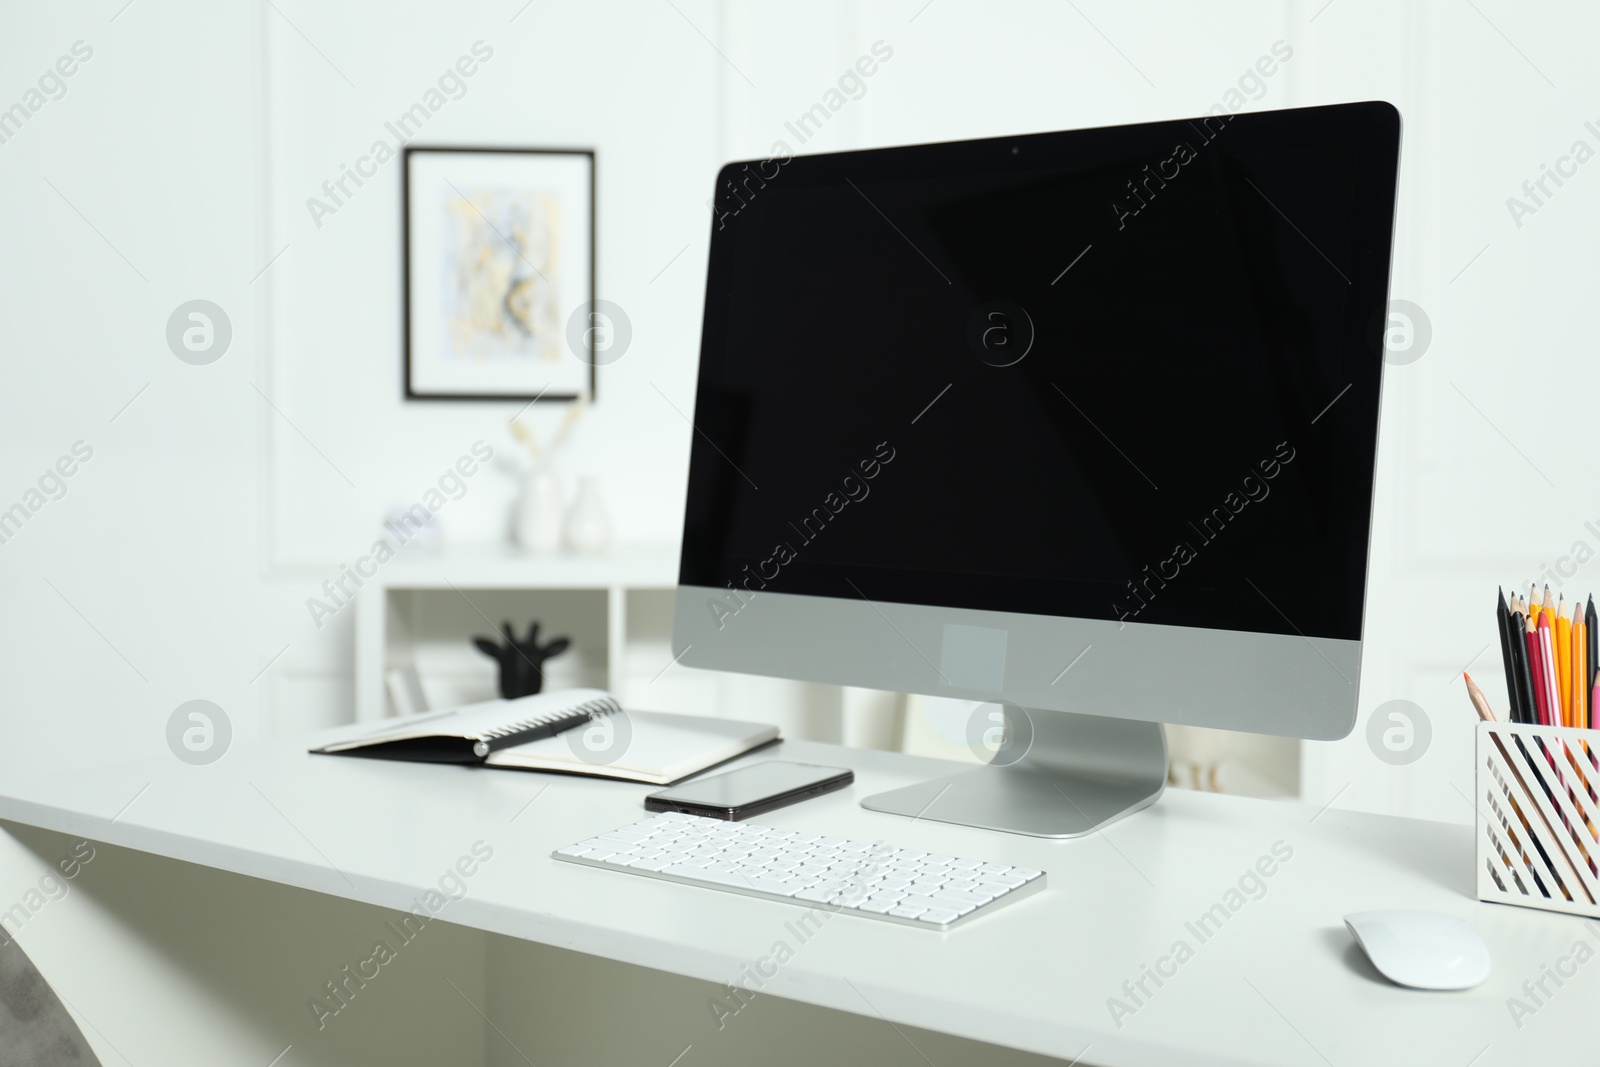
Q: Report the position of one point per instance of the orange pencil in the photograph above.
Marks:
(1580, 669)
(1561, 637)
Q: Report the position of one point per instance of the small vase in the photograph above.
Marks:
(588, 529)
(539, 511)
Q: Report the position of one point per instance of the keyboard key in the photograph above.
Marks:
(993, 868)
(628, 859)
(655, 864)
(618, 843)
(878, 906)
(908, 911)
(965, 865)
(971, 896)
(625, 834)
(572, 850)
(944, 903)
(939, 915)
(817, 894)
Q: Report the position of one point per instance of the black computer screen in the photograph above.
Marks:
(1125, 373)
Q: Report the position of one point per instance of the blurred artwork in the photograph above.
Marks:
(499, 274)
(500, 295)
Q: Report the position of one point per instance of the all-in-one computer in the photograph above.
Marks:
(1080, 423)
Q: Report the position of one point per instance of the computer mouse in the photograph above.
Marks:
(1421, 949)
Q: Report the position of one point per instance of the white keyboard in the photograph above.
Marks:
(878, 881)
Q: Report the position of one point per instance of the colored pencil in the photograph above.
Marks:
(1479, 701)
(1547, 653)
(1591, 626)
(1536, 669)
(1561, 640)
(1502, 619)
(1579, 715)
(1527, 706)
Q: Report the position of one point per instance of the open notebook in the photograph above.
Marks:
(474, 733)
(574, 731)
(639, 746)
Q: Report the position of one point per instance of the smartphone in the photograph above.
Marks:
(747, 791)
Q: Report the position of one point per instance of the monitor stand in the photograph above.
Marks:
(1055, 775)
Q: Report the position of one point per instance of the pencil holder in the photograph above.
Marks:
(1538, 811)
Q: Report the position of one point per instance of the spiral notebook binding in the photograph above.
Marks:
(589, 708)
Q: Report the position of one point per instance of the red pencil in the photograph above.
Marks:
(1541, 695)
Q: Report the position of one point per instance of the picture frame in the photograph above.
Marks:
(498, 266)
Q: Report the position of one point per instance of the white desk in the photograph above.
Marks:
(1277, 984)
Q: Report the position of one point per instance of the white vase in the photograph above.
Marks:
(588, 529)
(539, 511)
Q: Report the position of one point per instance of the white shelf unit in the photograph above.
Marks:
(423, 610)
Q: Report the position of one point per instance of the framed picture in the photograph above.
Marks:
(499, 273)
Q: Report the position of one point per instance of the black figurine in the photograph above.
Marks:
(521, 662)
